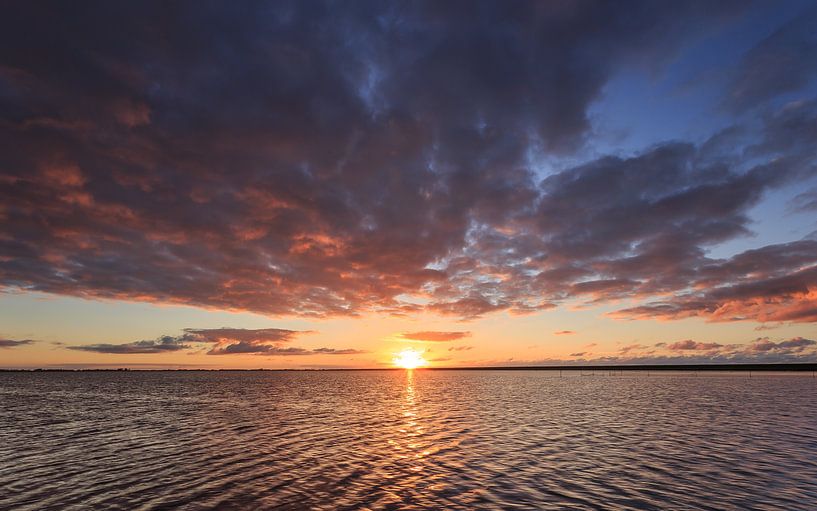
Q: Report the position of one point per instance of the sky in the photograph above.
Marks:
(324, 184)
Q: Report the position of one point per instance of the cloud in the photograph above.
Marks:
(334, 351)
(245, 347)
(435, 336)
(774, 66)
(340, 169)
(460, 348)
(624, 350)
(759, 351)
(806, 201)
(690, 345)
(564, 332)
(772, 284)
(228, 335)
(224, 341)
(165, 344)
(796, 349)
(10, 343)
(794, 345)
(235, 341)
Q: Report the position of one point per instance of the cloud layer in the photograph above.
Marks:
(222, 341)
(432, 336)
(11, 343)
(760, 350)
(329, 159)
(164, 344)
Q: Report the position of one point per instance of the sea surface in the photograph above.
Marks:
(407, 440)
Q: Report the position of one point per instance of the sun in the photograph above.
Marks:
(409, 359)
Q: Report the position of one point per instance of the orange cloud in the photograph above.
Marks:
(434, 336)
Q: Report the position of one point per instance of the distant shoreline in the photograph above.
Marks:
(799, 367)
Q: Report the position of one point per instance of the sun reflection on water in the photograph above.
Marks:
(409, 446)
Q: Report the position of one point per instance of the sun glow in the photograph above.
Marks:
(409, 359)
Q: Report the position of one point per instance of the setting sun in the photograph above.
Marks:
(409, 359)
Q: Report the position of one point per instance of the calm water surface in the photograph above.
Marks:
(403, 440)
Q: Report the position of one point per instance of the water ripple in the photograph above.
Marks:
(405, 440)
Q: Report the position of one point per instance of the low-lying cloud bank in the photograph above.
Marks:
(164, 344)
(11, 343)
(223, 341)
(760, 350)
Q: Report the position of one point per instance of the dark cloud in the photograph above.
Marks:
(776, 64)
(324, 159)
(236, 341)
(245, 347)
(164, 344)
(333, 351)
(806, 201)
(435, 336)
(581, 242)
(226, 335)
(11, 343)
(775, 283)
(580, 354)
(794, 345)
(225, 341)
(460, 348)
(564, 332)
(230, 341)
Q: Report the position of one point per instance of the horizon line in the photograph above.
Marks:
(761, 367)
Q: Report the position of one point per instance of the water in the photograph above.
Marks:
(402, 440)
